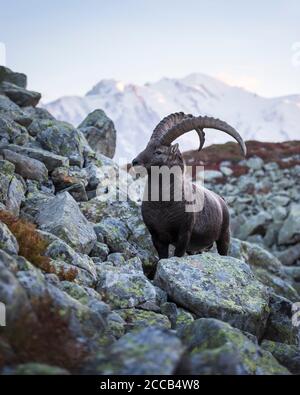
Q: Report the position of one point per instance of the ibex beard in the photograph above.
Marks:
(169, 220)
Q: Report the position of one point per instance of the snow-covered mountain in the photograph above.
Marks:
(136, 110)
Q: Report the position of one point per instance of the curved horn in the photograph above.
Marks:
(172, 120)
(169, 122)
(199, 123)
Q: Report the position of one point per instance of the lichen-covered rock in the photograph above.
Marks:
(8, 75)
(136, 319)
(100, 251)
(100, 132)
(10, 110)
(64, 140)
(214, 347)
(124, 286)
(254, 255)
(12, 132)
(27, 167)
(21, 96)
(254, 225)
(280, 327)
(151, 351)
(279, 285)
(61, 251)
(8, 242)
(62, 217)
(36, 369)
(288, 356)
(96, 210)
(50, 160)
(290, 232)
(213, 286)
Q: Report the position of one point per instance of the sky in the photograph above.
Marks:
(67, 46)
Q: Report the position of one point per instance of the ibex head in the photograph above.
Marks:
(160, 152)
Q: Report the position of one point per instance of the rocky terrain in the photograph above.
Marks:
(83, 289)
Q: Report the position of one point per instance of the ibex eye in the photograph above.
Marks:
(159, 152)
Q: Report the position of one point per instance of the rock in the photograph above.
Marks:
(124, 287)
(254, 255)
(12, 190)
(255, 163)
(34, 204)
(18, 307)
(100, 132)
(280, 327)
(289, 256)
(62, 139)
(129, 213)
(7, 75)
(21, 96)
(77, 191)
(227, 171)
(100, 250)
(288, 356)
(12, 132)
(36, 369)
(8, 242)
(38, 113)
(183, 318)
(290, 232)
(280, 286)
(10, 110)
(215, 348)
(213, 286)
(16, 195)
(212, 175)
(62, 217)
(50, 160)
(254, 225)
(137, 319)
(151, 351)
(60, 251)
(27, 167)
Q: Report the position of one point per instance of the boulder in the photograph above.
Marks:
(62, 217)
(21, 96)
(256, 224)
(280, 326)
(50, 160)
(210, 285)
(8, 75)
(215, 348)
(124, 286)
(62, 139)
(129, 213)
(290, 231)
(8, 242)
(100, 133)
(12, 132)
(27, 168)
(61, 251)
(137, 319)
(12, 111)
(36, 369)
(151, 351)
(288, 356)
(12, 188)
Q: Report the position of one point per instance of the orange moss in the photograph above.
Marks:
(31, 244)
(44, 336)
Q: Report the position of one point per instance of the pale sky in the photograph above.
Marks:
(67, 46)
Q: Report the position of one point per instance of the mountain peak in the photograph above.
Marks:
(137, 109)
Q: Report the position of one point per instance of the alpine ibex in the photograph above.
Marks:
(168, 221)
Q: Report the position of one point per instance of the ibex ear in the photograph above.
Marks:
(174, 149)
